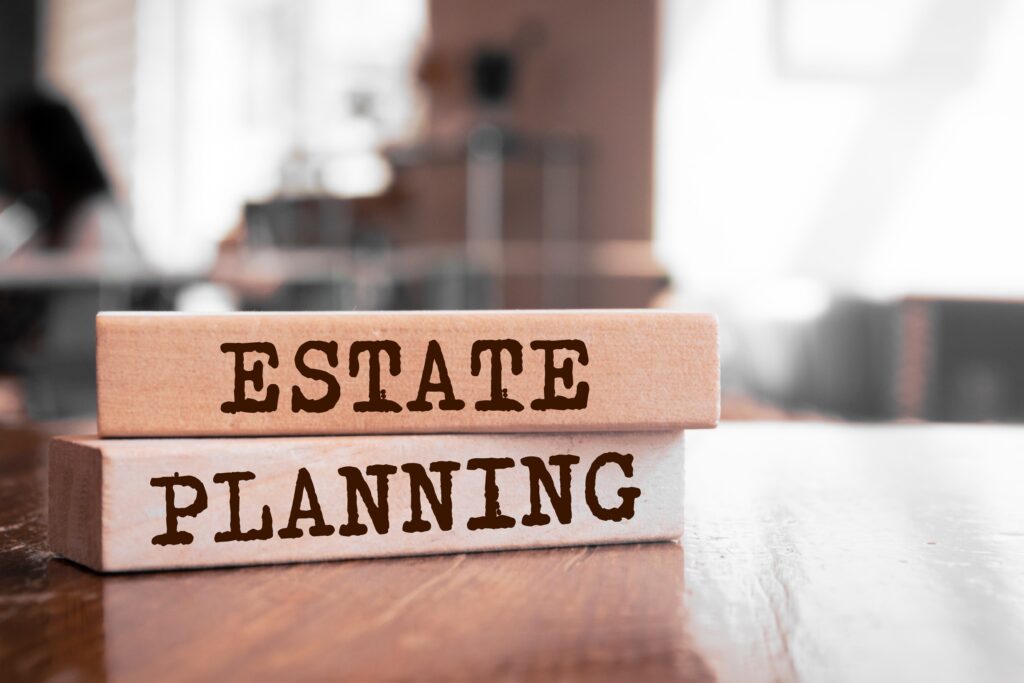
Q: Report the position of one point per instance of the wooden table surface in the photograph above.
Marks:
(812, 552)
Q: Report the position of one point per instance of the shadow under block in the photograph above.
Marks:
(378, 373)
(143, 504)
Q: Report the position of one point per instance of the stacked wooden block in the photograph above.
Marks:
(283, 437)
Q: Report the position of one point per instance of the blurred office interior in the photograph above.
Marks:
(838, 180)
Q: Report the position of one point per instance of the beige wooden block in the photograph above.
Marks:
(360, 373)
(140, 504)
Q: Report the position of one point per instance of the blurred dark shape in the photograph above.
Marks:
(47, 163)
(919, 358)
(48, 166)
(20, 315)
(493, 75)
(495, 68)
(837, 362)
(308, 221)
(75, 239)
(961, 360)
(19, 44)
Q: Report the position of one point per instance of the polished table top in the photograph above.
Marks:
(812, 552)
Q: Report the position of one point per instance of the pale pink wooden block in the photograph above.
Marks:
(109, 508)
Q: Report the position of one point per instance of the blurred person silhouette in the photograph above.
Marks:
(60, 199)
(61, 234)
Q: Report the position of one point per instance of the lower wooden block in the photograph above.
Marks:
(142, 504)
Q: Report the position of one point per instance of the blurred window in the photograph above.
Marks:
(240, 99)
(874, 146)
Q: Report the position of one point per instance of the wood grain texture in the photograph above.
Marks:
(167, 374)
(811, 552)
(76, 504)
(110, 510)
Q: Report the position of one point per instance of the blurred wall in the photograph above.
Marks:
(592, 71)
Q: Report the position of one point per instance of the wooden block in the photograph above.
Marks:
(361, 373)
(137, 504)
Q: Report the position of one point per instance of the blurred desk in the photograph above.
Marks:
(262, 265)
(812, 552)
(553, 274)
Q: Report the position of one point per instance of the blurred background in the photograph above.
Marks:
(839, 180)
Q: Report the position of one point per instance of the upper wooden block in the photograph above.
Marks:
(167, 374)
